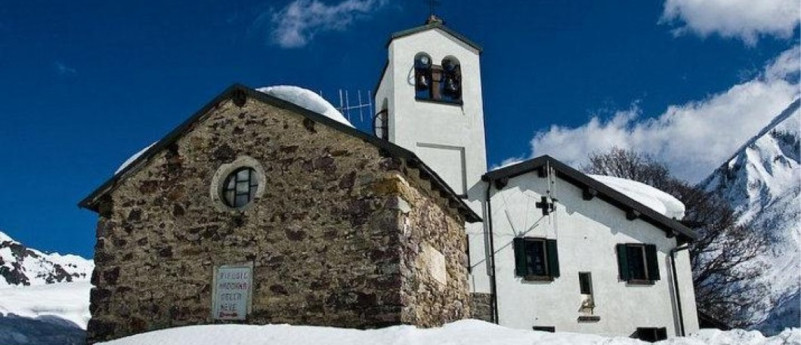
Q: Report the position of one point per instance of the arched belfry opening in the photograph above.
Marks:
(451, 84)
(381, 122)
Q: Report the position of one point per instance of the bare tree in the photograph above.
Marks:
(724, 269)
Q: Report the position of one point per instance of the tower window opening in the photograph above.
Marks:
(451, 80)
(437, 83)
(423, 76)
(381, 125)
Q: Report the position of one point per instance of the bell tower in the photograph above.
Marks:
(429, 102)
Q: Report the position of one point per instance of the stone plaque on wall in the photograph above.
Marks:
(233, 287)
(435, 263)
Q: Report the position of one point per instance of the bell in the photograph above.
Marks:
(422, 82)
(451, 86)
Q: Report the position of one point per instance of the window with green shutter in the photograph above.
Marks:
(536, 258)
(637, 263)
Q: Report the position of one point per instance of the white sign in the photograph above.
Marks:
(233, 286)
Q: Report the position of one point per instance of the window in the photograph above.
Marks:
(551, 329)
(240, 187)
(381, 125)
(651, 334)
(585, 283)
(585, 288)
(536, 258)
(637, 263)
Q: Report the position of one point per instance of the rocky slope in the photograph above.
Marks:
(20, 265)
(762, 182)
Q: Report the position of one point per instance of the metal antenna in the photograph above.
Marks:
(345, 105)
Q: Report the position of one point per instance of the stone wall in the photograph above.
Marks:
(335, 239)
(481, 306)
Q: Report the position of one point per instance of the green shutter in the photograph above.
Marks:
(520, 257)
(653, 264)
(553, 258)
(622, 262)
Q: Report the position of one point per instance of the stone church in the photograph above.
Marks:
(258, 210)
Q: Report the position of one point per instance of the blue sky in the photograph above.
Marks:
(83, 85)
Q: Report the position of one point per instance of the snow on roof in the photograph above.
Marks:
(306, 99)
(293, 94)
(655, 199)
(132, 158)
(464, 332)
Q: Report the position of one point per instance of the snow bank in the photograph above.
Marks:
(655, 199)
(465, 332)
(306, 99)
(68, 301)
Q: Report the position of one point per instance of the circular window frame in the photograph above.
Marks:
(217, 187)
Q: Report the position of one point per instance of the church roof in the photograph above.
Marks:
(434, 24)
(593, 188)
(238, 91)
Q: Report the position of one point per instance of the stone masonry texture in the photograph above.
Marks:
(341, 236)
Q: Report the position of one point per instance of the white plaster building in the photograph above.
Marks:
(593, 261)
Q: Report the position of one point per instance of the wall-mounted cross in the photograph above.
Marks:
(545, 205)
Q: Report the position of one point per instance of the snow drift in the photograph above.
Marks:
(65, 301)
(465, 332)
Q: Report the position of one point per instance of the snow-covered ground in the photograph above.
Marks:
(68, 301)
(465, 332)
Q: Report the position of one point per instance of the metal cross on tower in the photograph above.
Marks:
(431, 5)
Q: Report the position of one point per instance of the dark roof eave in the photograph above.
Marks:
(605, 192)
(90, 202)
(434, 25)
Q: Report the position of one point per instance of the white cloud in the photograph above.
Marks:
(297, 23)
(743, 19)
(692, 138)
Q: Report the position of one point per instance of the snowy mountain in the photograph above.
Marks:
(20, 265)
(44, 298)
(762, 182)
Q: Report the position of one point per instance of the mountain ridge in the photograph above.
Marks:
(762, 183)
(23, 266)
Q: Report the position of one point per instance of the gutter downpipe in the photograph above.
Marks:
(493, 283)
(676, 284)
